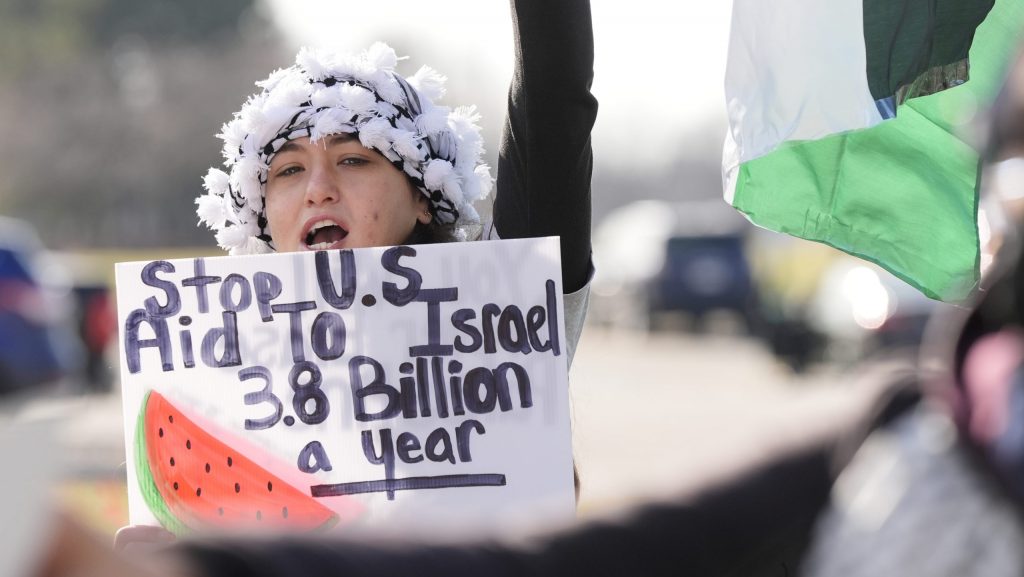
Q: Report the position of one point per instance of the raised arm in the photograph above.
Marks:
(546, 160)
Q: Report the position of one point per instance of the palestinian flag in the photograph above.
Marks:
(848, 124)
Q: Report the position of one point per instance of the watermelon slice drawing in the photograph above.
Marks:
(191, 480)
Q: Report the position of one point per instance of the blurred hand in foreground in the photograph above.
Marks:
(135, 539)
(75, 550)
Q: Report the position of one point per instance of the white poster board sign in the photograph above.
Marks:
(395, 387)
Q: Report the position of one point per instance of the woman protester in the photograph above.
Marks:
(340, 151)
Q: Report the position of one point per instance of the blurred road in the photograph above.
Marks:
(666, 413)
(652, 414)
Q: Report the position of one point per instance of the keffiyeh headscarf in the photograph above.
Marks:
(324, 94)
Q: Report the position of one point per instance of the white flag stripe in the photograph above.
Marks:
(796, 71)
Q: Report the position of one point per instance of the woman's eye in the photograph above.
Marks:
(289, 170)
(352, 161)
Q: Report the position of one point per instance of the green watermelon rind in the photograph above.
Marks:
(147, 484)
(151, 494)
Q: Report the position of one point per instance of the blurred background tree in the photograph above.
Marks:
(111, 106)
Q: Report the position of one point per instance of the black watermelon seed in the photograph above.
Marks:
(199, 491)
(220, 511)
(175, 485)
(161, 431)
(238, 488)
(172, 461)
(259, 516)
(270, 486)
(207, 467)
(284, 512)
(229, 461)
(188, 444)
(170, 418)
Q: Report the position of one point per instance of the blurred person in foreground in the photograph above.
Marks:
(940, 491)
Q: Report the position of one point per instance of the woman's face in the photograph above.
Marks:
(336, 193)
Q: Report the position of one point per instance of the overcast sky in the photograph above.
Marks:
(658, 73)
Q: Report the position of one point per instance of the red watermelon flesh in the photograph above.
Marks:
(203, 483)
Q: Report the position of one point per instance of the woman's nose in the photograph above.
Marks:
(321, 187)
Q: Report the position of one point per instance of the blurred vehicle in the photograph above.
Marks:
(701, 275)
(819, 304)
(656, 258)
(37, 344)
(788, 272)
(865, 311)
(96, 321)
(93, 315)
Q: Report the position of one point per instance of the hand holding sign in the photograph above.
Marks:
(342, 378)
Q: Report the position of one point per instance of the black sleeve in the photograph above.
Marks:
(545, 161)
(757, 525)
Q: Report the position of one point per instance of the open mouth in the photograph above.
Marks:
(324, 234)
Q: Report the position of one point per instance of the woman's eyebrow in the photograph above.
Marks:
(342, 138)
(291, 146)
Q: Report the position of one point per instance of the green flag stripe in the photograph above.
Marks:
(872, 193)
(916, 47)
